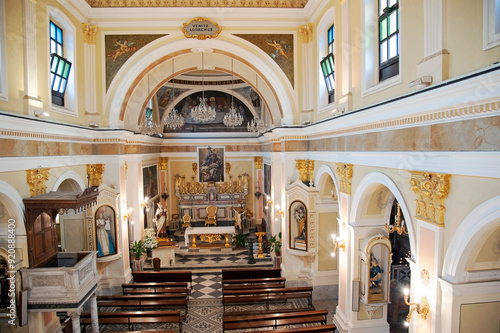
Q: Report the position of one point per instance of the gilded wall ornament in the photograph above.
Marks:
(259, 162)
(306, 169)
(94, 172)
(36, 180)
(163, 162)
(89, 32)
(306, 31)
(344, 171)
(431, 189)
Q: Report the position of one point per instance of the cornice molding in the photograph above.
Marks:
(198, 3)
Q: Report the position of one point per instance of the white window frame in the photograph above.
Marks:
(325, 23)
(490, 20)
(69, 45)
(4, 93)
(370, 50)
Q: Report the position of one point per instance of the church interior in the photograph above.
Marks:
(341, 155)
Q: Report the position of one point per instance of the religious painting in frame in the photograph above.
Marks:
(267, 179)
(105, 231)
(298, 225)
(150, 181)
(211, 164)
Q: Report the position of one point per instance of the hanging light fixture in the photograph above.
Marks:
(399, 224)
(233, 118)
(203, 112)
(174, 120)
(256, 125)
(148, 125)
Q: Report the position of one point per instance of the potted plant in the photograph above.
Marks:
(239, 240)
(275, 244)
(137, 249)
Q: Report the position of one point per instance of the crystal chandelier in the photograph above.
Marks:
(148, 125)
(233, 118)
(203, 112)
(174, 120)
(256, 125)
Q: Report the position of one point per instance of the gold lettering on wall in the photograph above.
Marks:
(431, 189)
(259, 162)
(344, 171)
(36, 180)
(95, 171)
(163, 162)
(306, 169)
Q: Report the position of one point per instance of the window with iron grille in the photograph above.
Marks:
(388, 38)
(60, 67)
(328, 66)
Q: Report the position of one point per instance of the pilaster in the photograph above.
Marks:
(32, 100)
(306, 32)
(89, 40)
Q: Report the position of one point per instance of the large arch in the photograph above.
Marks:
(9, 195)
(365, 189)
(323, 171)
(479, 222)
(72, 176)
(137, 80)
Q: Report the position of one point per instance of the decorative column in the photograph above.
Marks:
(306, 32)
(431, 191)
(259, 167)
(94, 172)
(89, 34)
(32, 100)
(93, 313)
(163, 168)
(36, 180)
(345, 316)
(75, 320)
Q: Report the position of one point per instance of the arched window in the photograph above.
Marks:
(62, 37)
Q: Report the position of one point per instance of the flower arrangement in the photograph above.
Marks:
(150, 239)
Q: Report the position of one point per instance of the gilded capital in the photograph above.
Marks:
(306, 31)
(259, 162)
(163, 162)
(94, 172)
(344, 171)
(306, 170)
(89, 32)
(431, 189)
(36, 180)
(194, 166)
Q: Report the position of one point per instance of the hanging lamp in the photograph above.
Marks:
(174, 120)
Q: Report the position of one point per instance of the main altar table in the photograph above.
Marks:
(209, 234)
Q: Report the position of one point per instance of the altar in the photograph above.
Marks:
(166, 254)
(209, 234)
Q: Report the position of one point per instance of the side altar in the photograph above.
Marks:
(194, 197)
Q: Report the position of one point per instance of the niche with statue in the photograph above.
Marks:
(376, 260)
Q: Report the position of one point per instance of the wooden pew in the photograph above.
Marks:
(310, 329)
(274, 320)
(250, 273)
(145, 301)
(266, 295)
(136, 290)
(164, 276)
(155, 331)
(132, 318)
(153, 286)
(257, 283)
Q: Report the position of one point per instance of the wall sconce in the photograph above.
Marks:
(41, 114)
(128, 215)
(278, 212)
(399, 224)
(422, 308)
(337, 242)
(144, 204)
(268, 202)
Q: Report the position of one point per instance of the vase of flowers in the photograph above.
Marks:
(150, 242)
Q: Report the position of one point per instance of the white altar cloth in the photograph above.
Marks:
(207, 230)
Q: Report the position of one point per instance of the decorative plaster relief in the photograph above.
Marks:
(36, 180)
(431, 189)
(344, 171)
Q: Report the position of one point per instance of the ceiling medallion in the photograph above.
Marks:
(201, 28)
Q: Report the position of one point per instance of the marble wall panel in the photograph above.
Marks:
(363, 142)
(481, 134)
(296, 145)
(406, 139)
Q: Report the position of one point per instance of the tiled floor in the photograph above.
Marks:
(206, 285)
